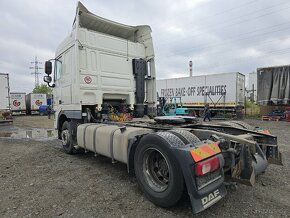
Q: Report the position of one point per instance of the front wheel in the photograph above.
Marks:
(158, 172)
(66, 139)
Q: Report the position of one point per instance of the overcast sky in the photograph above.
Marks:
(217, 35)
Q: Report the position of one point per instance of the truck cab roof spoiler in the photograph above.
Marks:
(93, 22)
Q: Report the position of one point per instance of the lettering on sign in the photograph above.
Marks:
(194, 91)
(16, 96)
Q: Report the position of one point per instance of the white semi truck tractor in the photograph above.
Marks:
(103, 79)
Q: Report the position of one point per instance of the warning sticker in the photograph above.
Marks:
(205, 151)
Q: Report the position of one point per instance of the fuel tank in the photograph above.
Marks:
(109, 140)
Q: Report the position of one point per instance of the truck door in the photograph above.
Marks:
(66, 78)
(58, 84)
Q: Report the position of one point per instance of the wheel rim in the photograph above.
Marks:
(156, 170)
(65, 137)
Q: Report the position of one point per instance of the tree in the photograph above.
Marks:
(42, 88)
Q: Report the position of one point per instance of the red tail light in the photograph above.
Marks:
(206, 166)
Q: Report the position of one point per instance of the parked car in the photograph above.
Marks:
(43, 110)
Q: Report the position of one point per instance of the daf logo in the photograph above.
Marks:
(211, 198)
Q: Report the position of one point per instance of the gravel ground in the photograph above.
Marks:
(37, 179)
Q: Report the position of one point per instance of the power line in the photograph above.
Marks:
(238, 39)
(36, 68)
(226, 42)
(270, 53)
(239, 60)
(263, 15)
(242, 21)
(208, 54)
(230, 9)
(231, 50)
(235, 61)
(218, 13)
(263, 9)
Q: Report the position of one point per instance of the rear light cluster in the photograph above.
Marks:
(207, 166)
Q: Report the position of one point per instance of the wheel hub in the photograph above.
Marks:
(156, 170)
(65, 137)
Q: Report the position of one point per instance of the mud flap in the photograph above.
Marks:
(277, 160)
(273, 154)
(207, 200)
(244, 171)
(247, 179)
(207, 195)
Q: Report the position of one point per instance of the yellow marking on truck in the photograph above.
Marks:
(205, 151)
(196, 156)
(215, 147)
(265, 131)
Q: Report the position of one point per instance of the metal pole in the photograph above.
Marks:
(36, 68)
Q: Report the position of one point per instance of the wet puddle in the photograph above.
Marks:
(38, 134)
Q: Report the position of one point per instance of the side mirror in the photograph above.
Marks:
(47, 79)
(48, 68)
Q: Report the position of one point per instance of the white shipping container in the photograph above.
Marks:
(17, 102)
(33, 101)
(220, 90)
(4, 91)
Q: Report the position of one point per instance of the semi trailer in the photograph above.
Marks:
(224, 92)
(4, 92)
(5, 109)
(273, 85)
(103, 79)
(34, 101)
(17, 102)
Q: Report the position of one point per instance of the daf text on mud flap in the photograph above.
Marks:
(210, 199)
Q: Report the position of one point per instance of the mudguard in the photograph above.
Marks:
(204, 196)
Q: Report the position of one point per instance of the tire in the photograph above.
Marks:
(230, 124)
(66, 139)
(244, 125)
(238, 124)
(186, 136)
(157, 170)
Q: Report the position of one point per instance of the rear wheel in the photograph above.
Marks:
(185, 136)
(238, 124)
(227, 123)
(157, 171)
(66, 139)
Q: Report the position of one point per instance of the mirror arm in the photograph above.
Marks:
(51, 86)
(54, 60)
